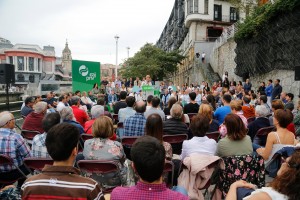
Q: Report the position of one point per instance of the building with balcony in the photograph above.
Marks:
(35, 65)
(193, 27)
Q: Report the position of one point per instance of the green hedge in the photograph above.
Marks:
(262, 16)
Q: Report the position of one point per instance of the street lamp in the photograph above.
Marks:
(128, 48)
(116, 70)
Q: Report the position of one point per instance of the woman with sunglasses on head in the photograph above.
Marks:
(284, 186)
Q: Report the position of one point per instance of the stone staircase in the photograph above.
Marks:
(208, 73)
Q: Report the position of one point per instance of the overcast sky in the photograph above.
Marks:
(89, 25)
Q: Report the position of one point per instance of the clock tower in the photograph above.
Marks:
(67, 60)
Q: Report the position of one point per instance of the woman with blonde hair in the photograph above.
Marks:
(102, 148)
(207, 111)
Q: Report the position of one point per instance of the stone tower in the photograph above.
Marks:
(67, 60)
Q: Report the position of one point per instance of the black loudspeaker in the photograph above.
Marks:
(297, 73)
(7, 73)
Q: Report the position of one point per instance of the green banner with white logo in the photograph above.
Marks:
(85, 74)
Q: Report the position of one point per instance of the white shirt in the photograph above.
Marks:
(198, 99)
(203, 55)
(202, 145)
(60, 106)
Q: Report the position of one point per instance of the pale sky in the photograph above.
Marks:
(89, 25)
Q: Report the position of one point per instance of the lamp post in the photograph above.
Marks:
(128, 48)
(116, 70)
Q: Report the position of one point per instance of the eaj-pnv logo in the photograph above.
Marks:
(84, 71)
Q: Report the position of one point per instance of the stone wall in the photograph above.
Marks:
(222, 59)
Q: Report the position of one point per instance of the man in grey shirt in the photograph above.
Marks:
(155, 109)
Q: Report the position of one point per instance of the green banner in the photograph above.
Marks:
(147, 88)
(85, 74)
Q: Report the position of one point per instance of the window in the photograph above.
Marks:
(195, 6)
(20, 63)
(192, 6)
(31, 78)
(11, 60)
(21, 78)
(31, 64)
(39, 64)
(206, 6)
(233, 14)
(218, 12)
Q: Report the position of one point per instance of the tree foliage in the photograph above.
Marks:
(153, 61)
(262, 16)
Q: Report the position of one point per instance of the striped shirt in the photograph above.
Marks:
(60, 182)
(14, 146)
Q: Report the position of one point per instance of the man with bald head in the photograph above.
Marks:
(14, 146)
(135, 125)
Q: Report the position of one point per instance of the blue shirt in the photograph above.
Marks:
(135, 125)
(269, 90)
(81, 130)
(221, 113)
(14, 146)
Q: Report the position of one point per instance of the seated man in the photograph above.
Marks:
(135, 125)
(193, 106)
(148, 157)
(29, 102)
(155, 109)
(223, 111)
(175, 125)
(61, 180)
(14, 146)
(33, 121)
(122, 103)
(124, 113)
(38, 148)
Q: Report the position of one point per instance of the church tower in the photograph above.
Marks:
(67, 60)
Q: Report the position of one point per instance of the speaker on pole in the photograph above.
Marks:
(7, 73)
(297, 73)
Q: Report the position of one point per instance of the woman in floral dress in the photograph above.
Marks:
(102, 148)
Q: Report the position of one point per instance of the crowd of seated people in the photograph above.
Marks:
(217, 110)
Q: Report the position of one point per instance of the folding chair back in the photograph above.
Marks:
(191, 115)
(250, 119)
(106, 173)
(262, 134)
(169, 168)
(29, 134)
(214, 135)
(127, 143)
(85, 137)
(5, 160)
(37, 163)
(175, 141)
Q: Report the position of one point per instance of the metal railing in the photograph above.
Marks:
(228, 33)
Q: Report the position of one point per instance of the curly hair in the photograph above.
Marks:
(287, 183)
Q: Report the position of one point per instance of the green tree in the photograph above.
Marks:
(153, 61)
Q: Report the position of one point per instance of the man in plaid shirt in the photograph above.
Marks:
(38, 148)
(14, 146)
(135, 125)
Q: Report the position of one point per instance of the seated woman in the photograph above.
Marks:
(276, 140)
(207, 111)
(236, 142)
(154, 128)
(200, 143)
(171, 102)
(284, 186)
(102, 148)
(67, 116)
